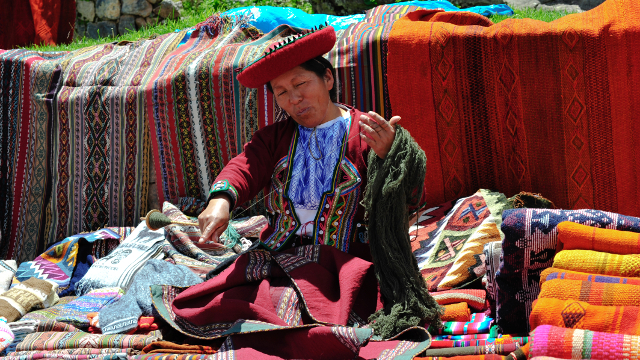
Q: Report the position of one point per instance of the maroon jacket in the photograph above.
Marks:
(266, 163)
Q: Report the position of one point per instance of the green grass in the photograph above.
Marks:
(544, 15)
(196, 11)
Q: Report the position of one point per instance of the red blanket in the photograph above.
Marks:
(524, 104)
(36, 22)
(304, 303)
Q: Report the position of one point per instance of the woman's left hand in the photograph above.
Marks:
(378, 132)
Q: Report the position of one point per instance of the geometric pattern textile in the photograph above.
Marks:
(93, 170)
(583, 344)
(459, 234)
(523, 105)
(529, 247)
(62, 340)
(582, 315)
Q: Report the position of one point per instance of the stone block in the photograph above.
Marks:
(169, 10)
(140, 23)
(101, 29)
(86, 10)
(108, 9)
(136, 7)
(127, 24)
(79, 31)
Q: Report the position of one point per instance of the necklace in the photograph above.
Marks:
(317, 145)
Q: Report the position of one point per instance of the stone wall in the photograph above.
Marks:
(103, 18)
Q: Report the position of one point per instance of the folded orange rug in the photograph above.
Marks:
(555, 273)
(456, 312)
(572, 236)
(595, 293)
(574, 314)
(594, 262)
(169, 347)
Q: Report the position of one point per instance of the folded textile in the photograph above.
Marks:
(464, 337)
(6, 335)
(555, 273)
(166, 356)
(469, 265)
(572, 236)
(65, 262)
(169, 347)
(476, 299)
(600, 294)
(480, 326)
(28, 295)
(498, 349)
(250, 226)
(492, 254)
(7, 272)
(20, 330)
(456, 312)
(49, 313)
(442, 255)
(439, 344)
(594, 262)
(76, 311)
(63, 340)
(180, 245)
(66, 354)
(564, 343)
(520, 353)
(119, 267)
(581, 315)
(122, 316)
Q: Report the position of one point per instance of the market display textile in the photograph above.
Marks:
(529, 247)
(30, 22)
(67, 354)
(93, 172)
(564, 343)
(477, 325)
(594, 262)
(120, 266)
(41, 341)
(31, 294)
(475, 298)
(180, 245)
(595, 293)
(572, 236)
(581, 315)
(59, 263)
(75, 312)
(456, 312)
(266, 298)
(450, 257)
(7, 272)
(555, 273)
(492, 255)
(498, 349)
(170, 347)
(523, 91)
(439, 344)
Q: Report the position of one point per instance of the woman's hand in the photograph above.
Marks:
(378, 133)
(214, 219)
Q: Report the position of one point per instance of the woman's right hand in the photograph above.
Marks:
(214, 219)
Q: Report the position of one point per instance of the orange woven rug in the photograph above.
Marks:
(523, 104)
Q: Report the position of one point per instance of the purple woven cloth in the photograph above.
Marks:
(528, 248)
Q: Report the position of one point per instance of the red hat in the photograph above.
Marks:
(287, 54)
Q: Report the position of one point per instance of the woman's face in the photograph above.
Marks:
(304, 95)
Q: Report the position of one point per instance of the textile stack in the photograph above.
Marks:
(590, 298)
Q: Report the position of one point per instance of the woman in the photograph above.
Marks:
(313, 165)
